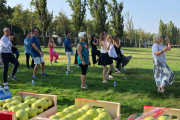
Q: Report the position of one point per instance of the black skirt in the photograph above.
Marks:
(104, 59)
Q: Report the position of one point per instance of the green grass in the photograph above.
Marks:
(133, 93)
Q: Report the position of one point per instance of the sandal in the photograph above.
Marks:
(104, 81)
(160, 90)
(84, 87)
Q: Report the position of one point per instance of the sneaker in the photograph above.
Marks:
(76, 65)
(70, 70)
(13, 77)
(110, 76)
(55, 62)
(123, 68)
(117, 71)
(44, 74)
(6, 84)
(34, 76)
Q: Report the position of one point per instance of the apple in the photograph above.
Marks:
(90, 117)
(68, 110)
(163, 118)
(92, 112)
(48, 100)
(150, 118)
(16, 102)
(1, 108)
(100, 110)
(87, 107)
(55, 117)
(28, 97)
(8, 100)
(72, 116)
(34, 99)
(82, 110)
(44, 103)
(5, 110)
(106, 115)
(74, 107)
(17, 98)
(14, 109)
(78, 114)
(21, 115)
(23, 105)
(29, 102)
(61, 114)
(65, 118)
(38, 106)
(82, 118)
(2, 102)
(100, 118)
(7, 105)
(31, 112)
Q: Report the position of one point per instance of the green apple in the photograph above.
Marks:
(74, 107)
(106, 115)
(82, 110)
(16, 102)
(32, 112)
(2, 102)
(61, 114)
(44, 103)
(34, 99)
(164, 118)
(100, 118)
(5, 110)
(68, 110)
(21, 115)
(72, 116)
(23, 105)
(17, 98)
(14, 109)
(87, 107)
(55, 117)
(82, 118)
(8, 100)
(78, 114)
(38, 106)
(150, 118)
(48, 100)
(90, 117)
(7, 105)
(92, 112)
(100, 110)
(28, 97)
(29, 102)
(65, 118)
(1, 108)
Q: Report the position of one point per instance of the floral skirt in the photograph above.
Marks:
(163, 75)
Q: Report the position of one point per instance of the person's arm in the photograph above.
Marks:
(35, 47)
(25, 42)
(6, 43)
(168, 48)
(106, 47)
(51, 44)
(117, 45)
(79, 49)
(169, 44)
(89, 63)
(95, 43)
(14, 46)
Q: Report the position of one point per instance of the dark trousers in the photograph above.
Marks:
(16, 52)
(6, 58)
(118, 60)
(27, 60)
(75, 60)
(83, 69)
(94, 53)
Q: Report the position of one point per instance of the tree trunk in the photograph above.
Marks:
(139, 44)
(44, 38)
(148, 42)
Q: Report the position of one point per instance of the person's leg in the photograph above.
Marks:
(42, 64)
(56, 55)
(51, 57)
(17, 54)
(110, 69)
(35, 69)
(93, 58)
(27, 59)
(15, 63)
(83, 75)
(104, 73)
(37, 63)
(51, 62)
(32, 63)
(68, 54)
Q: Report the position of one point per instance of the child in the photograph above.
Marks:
(52, 52)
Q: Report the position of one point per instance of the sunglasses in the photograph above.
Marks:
(161, 37)
(35, 31)
(105, 34)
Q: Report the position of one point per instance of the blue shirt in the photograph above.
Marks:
(84, 53)
(67, 44)
(27, 45)
(5, 45)
(35, 53)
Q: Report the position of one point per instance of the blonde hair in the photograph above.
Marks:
(156, 38)
(52, 41)
(108, 37)
(101, 37)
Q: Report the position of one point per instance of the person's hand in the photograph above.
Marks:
(75, 44)
(119, 41)
(167, 39)
(41, 54)
(165, 49)
(83, 63)
(89, 63)
(16, 47)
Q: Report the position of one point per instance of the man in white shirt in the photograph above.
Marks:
(6, 56)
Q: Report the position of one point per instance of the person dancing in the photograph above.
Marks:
(94, 51)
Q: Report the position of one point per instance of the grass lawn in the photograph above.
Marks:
(133, 93)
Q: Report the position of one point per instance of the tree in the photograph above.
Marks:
(79, 10)
(117, 20)
(44, 16)
(90, 28)
(99, 14)
(162, 29)
(141, 36)
(129, 27)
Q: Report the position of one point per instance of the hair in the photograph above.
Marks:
(101, 38)
(116, 38)
(28, 33)
(156, 38)
(50, 40)
(12, 34)
(92, 38)
(108, 36)
(67, 33)
(34, 29)
(81, 35)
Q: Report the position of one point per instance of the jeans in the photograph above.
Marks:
(16, 52)
(68, 54)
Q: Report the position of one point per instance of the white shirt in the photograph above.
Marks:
(103, 50)
(5, 45)
(156, 47)
(111, 51)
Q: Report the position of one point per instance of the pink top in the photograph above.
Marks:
(51, 49)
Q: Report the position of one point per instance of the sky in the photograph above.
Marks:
(145, 13)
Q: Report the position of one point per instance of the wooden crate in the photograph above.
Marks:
(172, 111)
(4, 115)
